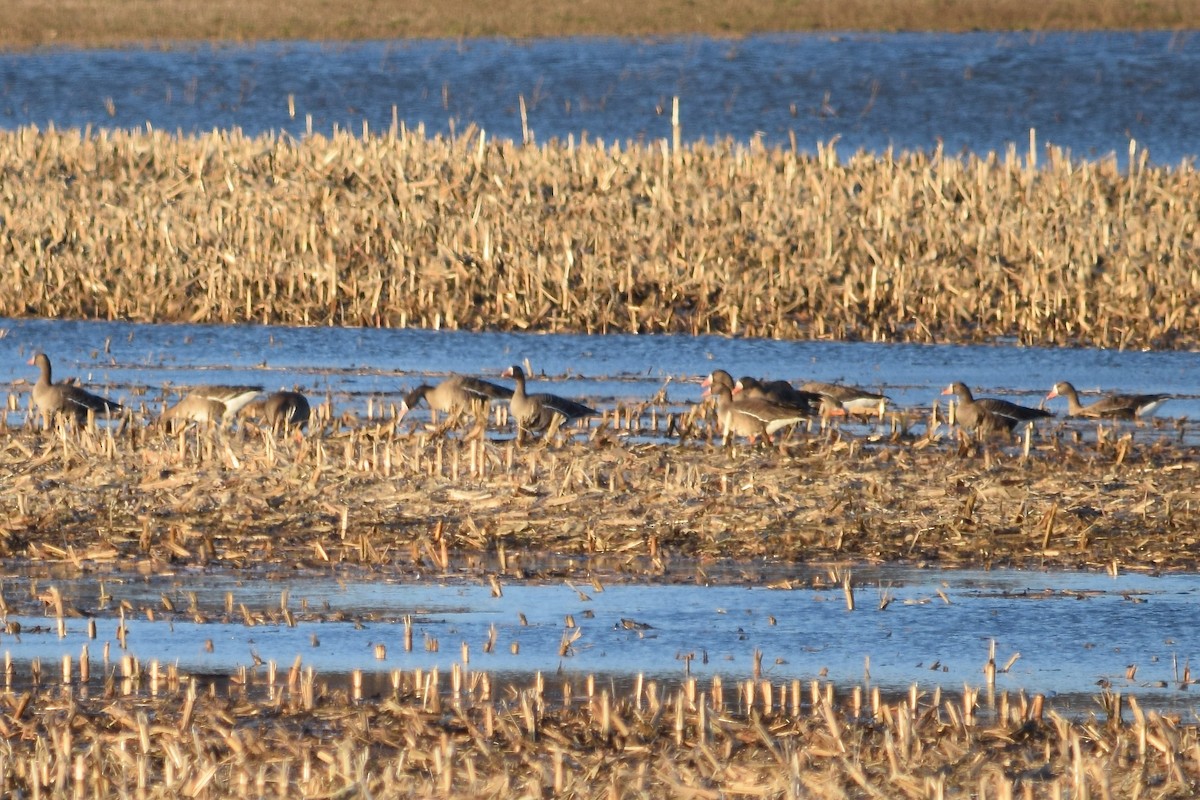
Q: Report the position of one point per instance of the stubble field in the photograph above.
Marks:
(401, 230)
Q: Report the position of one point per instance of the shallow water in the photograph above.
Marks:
(976, 92)
(355, 366)
(1064, 634)
(1071, 630)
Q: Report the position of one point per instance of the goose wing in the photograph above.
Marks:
(479, 389)
(81, 401)
(1130, 405)
(771, 416)
(1003, 408)
(564, 406)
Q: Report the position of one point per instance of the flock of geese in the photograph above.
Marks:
(750, 408)
(745, 407)
(206, 405)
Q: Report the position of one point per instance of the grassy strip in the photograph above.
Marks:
(398, 230)
(90, 23)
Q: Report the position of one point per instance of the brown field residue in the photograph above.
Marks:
(96, 23)
(430, 501)
(145, 731)
(372, 494)
(398, 229)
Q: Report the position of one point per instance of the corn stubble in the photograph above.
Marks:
(266, 732)
(405, 230)
(422, 499)
(401, 229)
(419, 501)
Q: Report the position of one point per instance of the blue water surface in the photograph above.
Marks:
(981, 92)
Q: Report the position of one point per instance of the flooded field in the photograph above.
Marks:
(875, 608)
(392, 607)
(363, 369)
(1071, 636)
(1087, 92)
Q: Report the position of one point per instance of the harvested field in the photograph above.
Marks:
(399, 230)
(428, 500)
(89, 23)
(145, 733)
(423, 500)
(424, 503)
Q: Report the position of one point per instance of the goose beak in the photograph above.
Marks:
(832, 409)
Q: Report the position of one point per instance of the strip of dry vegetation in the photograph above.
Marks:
(402, 230)
(92, 23)
(100, 23)
(373, 496)
(150, 736)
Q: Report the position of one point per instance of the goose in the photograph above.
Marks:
(282, 410)
(988, 414)
(455, 394)
(67, 399)
(782, 393)
(1111, 406)
(752, 417)
(854, 400)
(214, 405)
(716, 379)
(536, 412)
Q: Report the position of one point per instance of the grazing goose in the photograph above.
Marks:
(852, 399)
(1111, 406)
(752, 417)
(988, 414)
(209, 405)
(537, 412)
(783, 394)
(67, 399)
(282, 410)
(455, 394)
(285, 409)
(778, 392)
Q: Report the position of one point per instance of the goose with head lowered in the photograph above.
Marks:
(987, 415)
(783, 394)
(456, 394)
(209, 405)
(751, 418)
(541, 410)
(66, 399)
(1110, 406)
(284, 410)
(854, 400)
